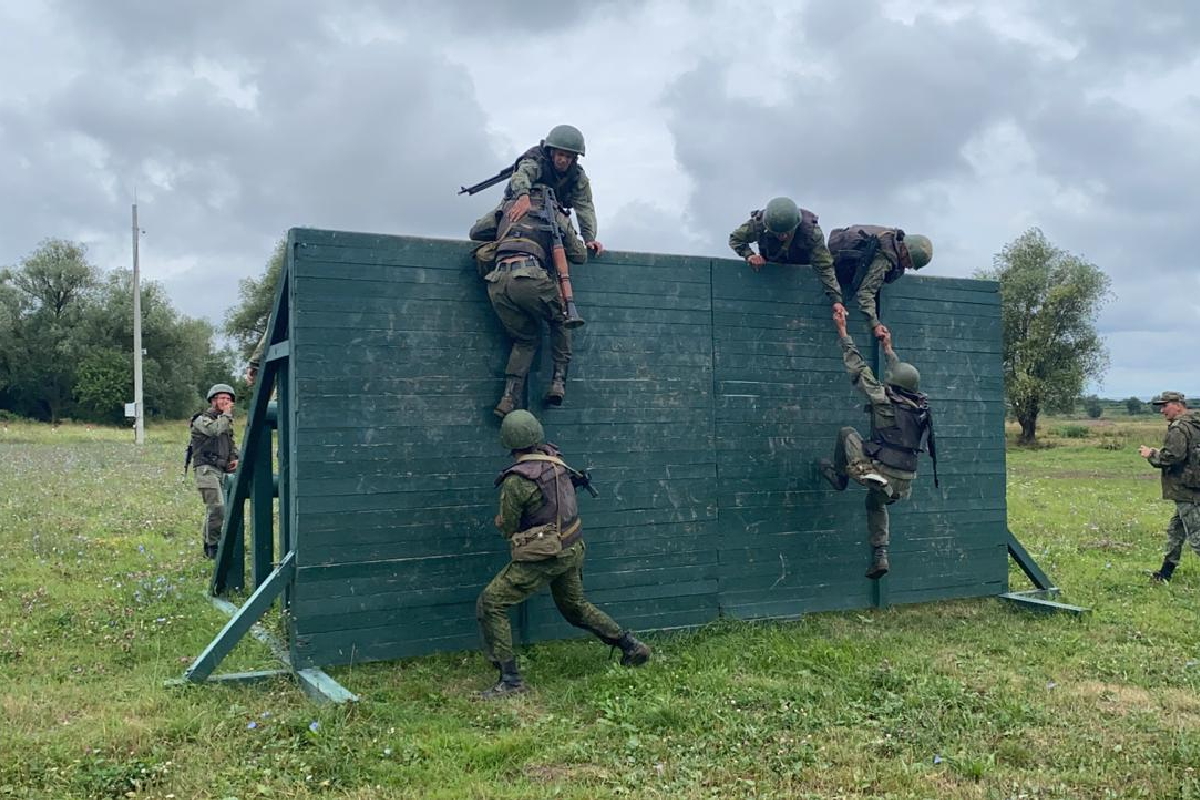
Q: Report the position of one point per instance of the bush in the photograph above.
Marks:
(1073, 431)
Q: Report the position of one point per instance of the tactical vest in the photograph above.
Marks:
(898, 445)
(853, 249)
(528, 235)
(558, 493)
(564, 186)
(798, 249)
(211, 451)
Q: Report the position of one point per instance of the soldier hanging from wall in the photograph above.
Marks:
(523, 293)
(886, 463)
(867, 256)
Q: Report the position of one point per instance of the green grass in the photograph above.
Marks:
(101, 601)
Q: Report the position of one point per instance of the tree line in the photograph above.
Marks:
(66, 342)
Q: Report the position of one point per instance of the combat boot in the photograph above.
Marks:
(513, 397)
(634, 652)
(558, 386)
(836, 479)
(510, 682)
(879, 564)
(1163, 574)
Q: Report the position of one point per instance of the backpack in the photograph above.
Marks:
(1189, 476)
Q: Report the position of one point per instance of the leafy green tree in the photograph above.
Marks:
(103, 382)
(1134, 406)
(52, 287)
(1092, 405)
(246, 322)
(1050, 300)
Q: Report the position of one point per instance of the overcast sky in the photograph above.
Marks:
(967, 121)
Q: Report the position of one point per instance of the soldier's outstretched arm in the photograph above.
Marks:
(573, 246)
(860, 373)
(585, 208)
(526, 174)
(871, 282)
(822, 264)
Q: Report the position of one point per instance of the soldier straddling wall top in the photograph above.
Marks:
(213, 452)
(886, 464)
(539, 515)
(867, 256)
(523, 293)
(787, 234)
(553, 163)
(1179, 461)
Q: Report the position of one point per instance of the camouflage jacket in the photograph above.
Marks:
(806, 245)
(1173, 455)
(573, 190)
(880, 407)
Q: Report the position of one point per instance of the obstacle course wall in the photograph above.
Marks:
(700, 396)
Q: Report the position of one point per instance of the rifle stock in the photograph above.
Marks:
(559, 257)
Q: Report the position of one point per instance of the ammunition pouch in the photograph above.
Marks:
(540, 542)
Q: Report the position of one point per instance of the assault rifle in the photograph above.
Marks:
(549, 214)
(502, 175)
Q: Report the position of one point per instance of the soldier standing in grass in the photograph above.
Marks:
(886, 464)
(214, 454)
(540, 518)
(867, 256)
(1179, 462)
(784, 233)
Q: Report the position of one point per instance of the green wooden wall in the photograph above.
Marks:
(700, 396)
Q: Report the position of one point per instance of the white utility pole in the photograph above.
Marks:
(139, 428)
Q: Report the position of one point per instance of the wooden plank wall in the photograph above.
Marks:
(700, 395)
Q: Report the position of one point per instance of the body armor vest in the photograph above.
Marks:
(211, 451)
(856, 246)
(563, 185)
(898, 445)
(798, 249)
(528, 235)
(558, 493)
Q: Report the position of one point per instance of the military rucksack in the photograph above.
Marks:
(1189, 476)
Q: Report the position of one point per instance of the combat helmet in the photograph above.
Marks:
(920, 249)
(565, 137)
(218, 388)
(905, 376)
(520, 429)
(781, 216)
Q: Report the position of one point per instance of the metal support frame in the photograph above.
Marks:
(1041, 598)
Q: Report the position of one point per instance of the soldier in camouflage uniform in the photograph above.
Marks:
(886, 464)
(539, 516)
(214, 453)
(787, 234)
(1179, 461)
(554, 163)
(867, 256)
(524, 293)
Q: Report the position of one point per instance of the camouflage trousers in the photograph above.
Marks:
(521, 579)
(850, 460)
(210, 481)
(522, 302)
(1183, 527)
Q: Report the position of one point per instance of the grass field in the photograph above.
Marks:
(101, 602)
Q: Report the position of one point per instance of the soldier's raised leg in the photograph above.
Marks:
(567, 590)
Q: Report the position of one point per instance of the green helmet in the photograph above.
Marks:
(217, 388)
(520, 429)
(565, 137)
(905, 376)
(781, 216)
(920, 249)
